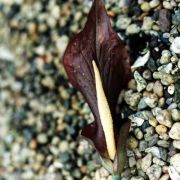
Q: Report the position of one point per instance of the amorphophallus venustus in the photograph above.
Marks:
(97, 64)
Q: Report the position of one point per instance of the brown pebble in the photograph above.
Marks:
(141, 17)
(33, 144)
(161, 129)
(153, 122)
(111, 13)
(132, 84)
(83, 169)
(165, 169)
(146, 94)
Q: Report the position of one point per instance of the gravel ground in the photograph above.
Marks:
(41, 114)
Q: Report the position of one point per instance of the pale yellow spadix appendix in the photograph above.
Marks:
(105, 114)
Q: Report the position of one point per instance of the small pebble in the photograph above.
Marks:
(163, 143)
(153, 122)
(151, 100)
(154, 172)
(132, 98)
(164, 118)
(145, 6)
(175, 46)
(158, 88)
(136, 121)
(147, 74)
(63, 146)
(143, 145)
(171, 89)
(165, 20)
(146, 162)
(156, 111)
(166, 79)
(175, 161)
(141, 83)
(132, 29)
(132, 142)
(48, 82)
(161, 102)
(147, 23)
(172, 106)
(150, 87)
(132, 162)
(161, 129)
(142, 104)
(154, 3)
(166, 68)
(174, 133)
(33, 144)
(167, 5)
(42, 138)
(123, 22)
(174, 59)
(132, 84)
(158, 161)
(165, 58)
(176, 144)
(154, 151)
(153, 140)
(173, 173)
(175, 113)
(138, 133)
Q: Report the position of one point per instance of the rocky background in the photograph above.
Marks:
(41, 114)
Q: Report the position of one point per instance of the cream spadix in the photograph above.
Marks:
(105, 114)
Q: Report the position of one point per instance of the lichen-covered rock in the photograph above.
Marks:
(141, 83)
(131, 98)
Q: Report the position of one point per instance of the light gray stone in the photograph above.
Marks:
(175, 162)
(146, 162)
(174, 133)
(154, 172)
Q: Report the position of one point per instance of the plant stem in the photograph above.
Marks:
(116, 177)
